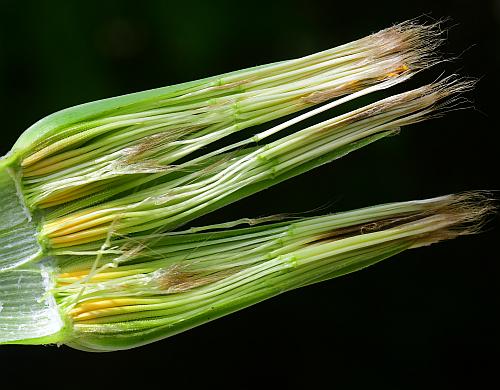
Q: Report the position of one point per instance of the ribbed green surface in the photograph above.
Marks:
(18, 233)
(27, 313)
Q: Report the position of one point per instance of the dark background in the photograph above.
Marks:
(428, 317)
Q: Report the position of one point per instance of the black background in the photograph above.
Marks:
(428, 317)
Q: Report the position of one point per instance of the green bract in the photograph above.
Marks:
(92, 197)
